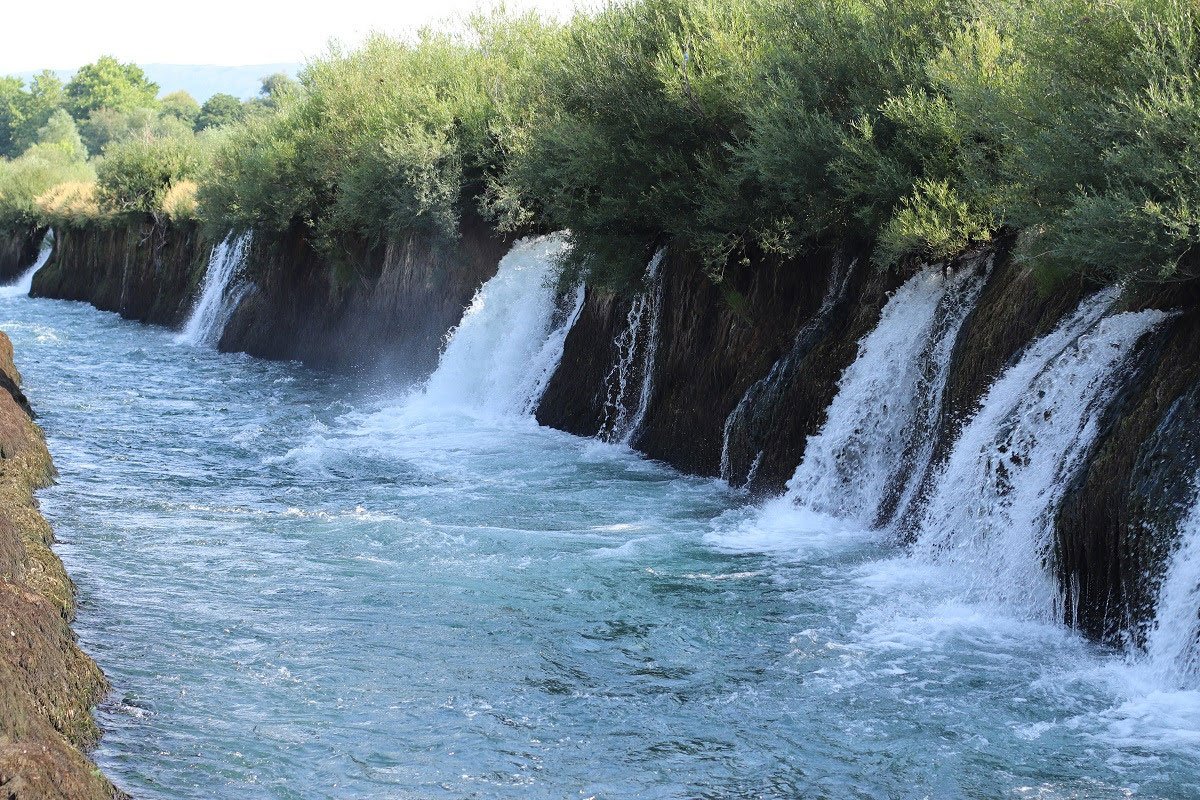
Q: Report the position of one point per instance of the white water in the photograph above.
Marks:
(989, 515)
(887, 400)
(502, 354)
(218, 298)
(1173, 645)
(24, 283)
(637, 348)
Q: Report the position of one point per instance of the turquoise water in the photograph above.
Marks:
(305, 587)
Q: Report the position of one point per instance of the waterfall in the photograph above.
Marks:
(764, 389)
(632, 376)
(878, 426)
(21, 286)
(219, 295)
(1173, 644)
(990, 512)
(502, 354)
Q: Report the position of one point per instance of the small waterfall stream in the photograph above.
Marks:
(1173, 645)
(765, 388)
(630, 383)
(24, 282)
(990, 511)
(502, 354)
(878, 426)
(219, 293)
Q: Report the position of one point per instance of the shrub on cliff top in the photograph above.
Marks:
(377, 141)
(640, 104)
(137, 175)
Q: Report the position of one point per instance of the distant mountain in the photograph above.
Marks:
(201, 81)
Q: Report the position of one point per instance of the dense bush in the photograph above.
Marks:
(723, 128)
(57, 157)
(137, 175)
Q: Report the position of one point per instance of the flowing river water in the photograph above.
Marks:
(306, 587)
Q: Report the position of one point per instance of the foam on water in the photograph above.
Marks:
(299, 591)
(1173, 644)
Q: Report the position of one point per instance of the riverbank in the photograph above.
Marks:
(47, 684)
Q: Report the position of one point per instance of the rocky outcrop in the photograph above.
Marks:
(47, 684)
(19, 250)
(142, 269)
(386, 308)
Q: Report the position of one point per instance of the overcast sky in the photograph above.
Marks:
(67, 33)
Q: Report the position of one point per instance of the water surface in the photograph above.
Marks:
(302, 587)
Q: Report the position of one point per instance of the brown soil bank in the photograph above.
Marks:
(47, 684)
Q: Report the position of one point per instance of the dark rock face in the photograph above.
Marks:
(715, 342)
(386, 308)
(143, 270)
(1118, 522)
(574, 397)
(18, 251)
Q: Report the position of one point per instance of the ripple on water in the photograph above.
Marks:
(299, 590)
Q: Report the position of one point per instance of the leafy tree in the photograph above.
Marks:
(109, 84)
(44, 98)
(11, 114)
(61, 132)
(276, 86)
(181, 106)
(218, 111)
(137, 175)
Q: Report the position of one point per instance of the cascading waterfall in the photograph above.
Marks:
(632, 376)
(502, 354)
(764, 387)
(1173, 644)
(990, 512)
(219, 294)
(878, 424)
(21, 286)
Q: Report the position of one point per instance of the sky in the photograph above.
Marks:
(224, 32)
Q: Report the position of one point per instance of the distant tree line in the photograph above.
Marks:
(727, 128)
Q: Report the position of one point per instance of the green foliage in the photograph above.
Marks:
(218, 111)
(641, 105)
(111, 85)
(920, 126)
(384, 139)
(136, 175)
(181, 106)
(60, 132)
(37, 171)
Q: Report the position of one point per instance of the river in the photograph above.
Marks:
(303, 586)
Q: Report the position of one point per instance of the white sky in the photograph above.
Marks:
(68, 33)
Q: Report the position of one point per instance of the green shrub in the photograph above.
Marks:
(136, 175)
